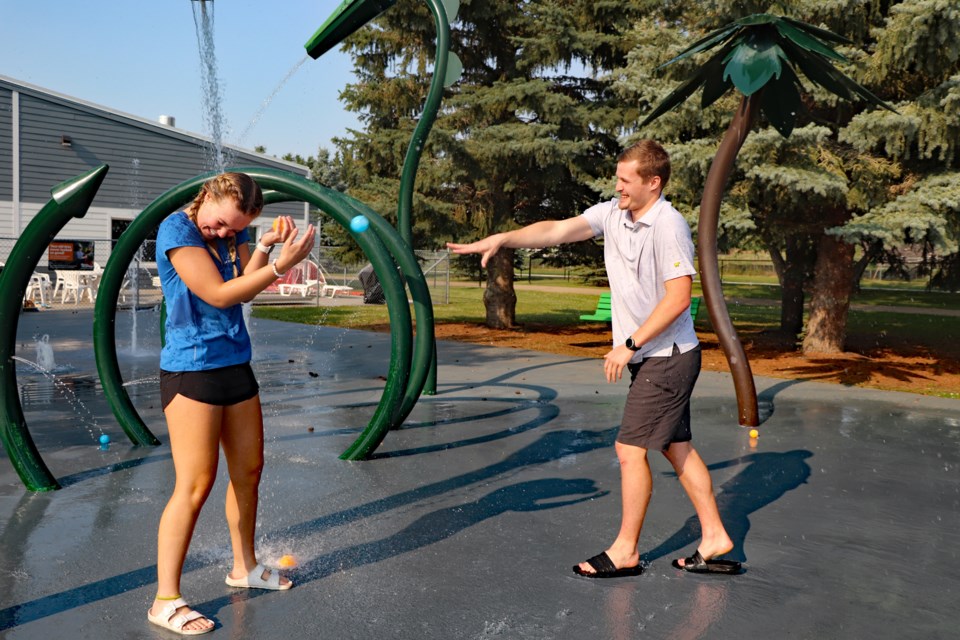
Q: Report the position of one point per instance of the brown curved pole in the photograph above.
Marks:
(713, 190)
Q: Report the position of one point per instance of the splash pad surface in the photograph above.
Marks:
(846, 511)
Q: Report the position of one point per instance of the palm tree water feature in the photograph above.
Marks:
(757, 56)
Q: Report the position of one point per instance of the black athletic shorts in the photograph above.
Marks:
(657, 412)
(221, 387)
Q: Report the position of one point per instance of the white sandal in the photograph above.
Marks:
(168, 618)
(254, 580)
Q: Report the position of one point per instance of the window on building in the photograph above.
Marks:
(118, 226)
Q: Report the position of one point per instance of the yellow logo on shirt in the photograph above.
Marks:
(676, 264)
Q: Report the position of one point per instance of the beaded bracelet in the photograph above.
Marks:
(273, 265)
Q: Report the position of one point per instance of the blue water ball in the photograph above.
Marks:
(359, 224)
(104, 439)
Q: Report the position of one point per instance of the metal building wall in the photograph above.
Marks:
(60, 137)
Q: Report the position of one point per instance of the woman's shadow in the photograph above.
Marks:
(765, 480)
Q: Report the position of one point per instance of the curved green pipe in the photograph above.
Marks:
(347, 18)
(431, 106)
(422, 304)
(71, 199)
(424, 343)
(411, 163)
(378, 247)
(325, 199)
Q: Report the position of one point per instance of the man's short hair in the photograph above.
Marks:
(652, 160)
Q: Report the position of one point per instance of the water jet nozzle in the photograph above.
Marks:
(347, 18)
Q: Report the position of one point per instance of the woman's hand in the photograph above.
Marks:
(294, 251)
(282, 228)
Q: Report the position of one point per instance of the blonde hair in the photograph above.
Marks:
(652, 160)
(242, 190)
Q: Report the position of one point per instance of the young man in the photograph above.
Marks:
(649, 259)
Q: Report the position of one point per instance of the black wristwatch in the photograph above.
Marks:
(633, 346)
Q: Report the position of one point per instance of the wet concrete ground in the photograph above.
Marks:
(846, 511)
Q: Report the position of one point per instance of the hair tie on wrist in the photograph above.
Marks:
(273, 265)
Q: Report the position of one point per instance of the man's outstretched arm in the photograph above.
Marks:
(538, 235)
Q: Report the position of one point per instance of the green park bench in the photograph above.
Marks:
(603, 314)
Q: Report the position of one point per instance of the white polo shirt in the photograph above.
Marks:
(640, 257)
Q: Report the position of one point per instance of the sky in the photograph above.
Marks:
(142, 58)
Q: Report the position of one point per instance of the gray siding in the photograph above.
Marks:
(6, 145)
(143, 163)
(145, 158)
(6, 225)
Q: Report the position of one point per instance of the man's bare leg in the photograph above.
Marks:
(636, 487)
(695, 479)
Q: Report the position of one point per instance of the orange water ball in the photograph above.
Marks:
(754, 433)
(287, 562)
(279, 225)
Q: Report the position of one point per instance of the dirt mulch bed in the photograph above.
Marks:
(868, 363)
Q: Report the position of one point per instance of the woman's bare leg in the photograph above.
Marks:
(242, 440)
(194, 430)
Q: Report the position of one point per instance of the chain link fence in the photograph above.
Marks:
(357, 277)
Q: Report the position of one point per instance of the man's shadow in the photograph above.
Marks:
(767, 477)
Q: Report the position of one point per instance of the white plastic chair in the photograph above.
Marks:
(331, 289)
(303, 288)
(39, 286)
(299, 279)
(74, 284)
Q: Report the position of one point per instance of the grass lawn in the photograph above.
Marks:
(551, 309)
(466, 305)
(916, 352)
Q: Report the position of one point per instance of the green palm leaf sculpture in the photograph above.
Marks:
(759, 56)
(761, 52)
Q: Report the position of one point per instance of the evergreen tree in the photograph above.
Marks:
(529, 132)
(552, 90)
(849, 184)
(328, 170)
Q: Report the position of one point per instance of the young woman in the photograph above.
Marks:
(209, 394)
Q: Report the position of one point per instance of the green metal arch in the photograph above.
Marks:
(395, 403)
(421, 365)
(350, 16)
(343, 208)
(71, 199)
